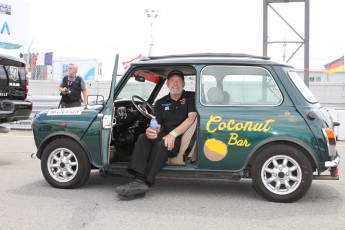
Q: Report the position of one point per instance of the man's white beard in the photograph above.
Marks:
(176, 92)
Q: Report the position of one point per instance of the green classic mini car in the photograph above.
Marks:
(256, 119)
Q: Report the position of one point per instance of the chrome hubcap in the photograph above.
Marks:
(281, 174)
(62, 165)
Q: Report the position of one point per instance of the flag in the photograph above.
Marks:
(48, 58)
(34, 61)
(335, 66)
(44, 59)
(126, 64)
(40, 59)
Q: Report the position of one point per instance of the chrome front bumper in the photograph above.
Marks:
(333, 163)
(34, 155)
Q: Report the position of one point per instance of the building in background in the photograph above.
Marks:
(46, 66)
(333, 72)
(88, 68)
(321, 76)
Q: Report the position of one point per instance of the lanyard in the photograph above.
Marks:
(70, 82)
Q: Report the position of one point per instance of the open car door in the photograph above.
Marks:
(107, 122)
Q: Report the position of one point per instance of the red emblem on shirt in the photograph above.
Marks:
(183, 101)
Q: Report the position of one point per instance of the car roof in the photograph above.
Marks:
(208, 58)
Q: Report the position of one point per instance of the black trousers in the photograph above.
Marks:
(150, 156)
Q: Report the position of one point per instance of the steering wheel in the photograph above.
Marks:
(142, 107)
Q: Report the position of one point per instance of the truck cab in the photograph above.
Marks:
(13, 90)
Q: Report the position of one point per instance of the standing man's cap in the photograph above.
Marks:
(176, 72)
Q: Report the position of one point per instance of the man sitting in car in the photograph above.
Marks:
(175, 112)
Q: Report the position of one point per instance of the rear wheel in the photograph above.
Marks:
(64, 164)
(281, 173)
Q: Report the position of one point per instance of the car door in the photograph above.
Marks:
(239, 107)
(107, 120)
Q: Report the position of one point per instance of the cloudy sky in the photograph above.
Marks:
(100, 29)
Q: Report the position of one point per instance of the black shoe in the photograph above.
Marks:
(133, 188)
(131, 197)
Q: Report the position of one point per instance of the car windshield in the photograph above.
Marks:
(304, 90)
(140, 86)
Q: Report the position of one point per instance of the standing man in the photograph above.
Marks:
(71, 88)
(175, 113)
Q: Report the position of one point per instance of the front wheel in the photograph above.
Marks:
(281, 173)
(64, 164)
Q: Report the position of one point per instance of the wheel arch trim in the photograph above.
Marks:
(62, 134)
(274, 140)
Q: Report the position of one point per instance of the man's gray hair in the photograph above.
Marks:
(75, 66)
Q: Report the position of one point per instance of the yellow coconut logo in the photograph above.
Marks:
(215, 150)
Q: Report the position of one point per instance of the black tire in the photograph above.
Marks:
(287, 181)
(70, 168)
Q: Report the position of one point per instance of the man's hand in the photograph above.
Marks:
(169, 141)
(62, 90)
(151, 133)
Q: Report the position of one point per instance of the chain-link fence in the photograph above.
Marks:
(34, 71)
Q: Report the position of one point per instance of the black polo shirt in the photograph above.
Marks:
(171, 113)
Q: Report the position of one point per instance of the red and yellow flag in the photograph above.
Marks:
(335, 66)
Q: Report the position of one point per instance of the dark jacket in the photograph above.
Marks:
(74, 87)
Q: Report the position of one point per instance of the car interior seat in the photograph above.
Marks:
(186, 138)
(215, 96)
(226, 98)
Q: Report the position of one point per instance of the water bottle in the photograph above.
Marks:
(154, 124)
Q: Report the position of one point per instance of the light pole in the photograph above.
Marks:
(151, 14)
